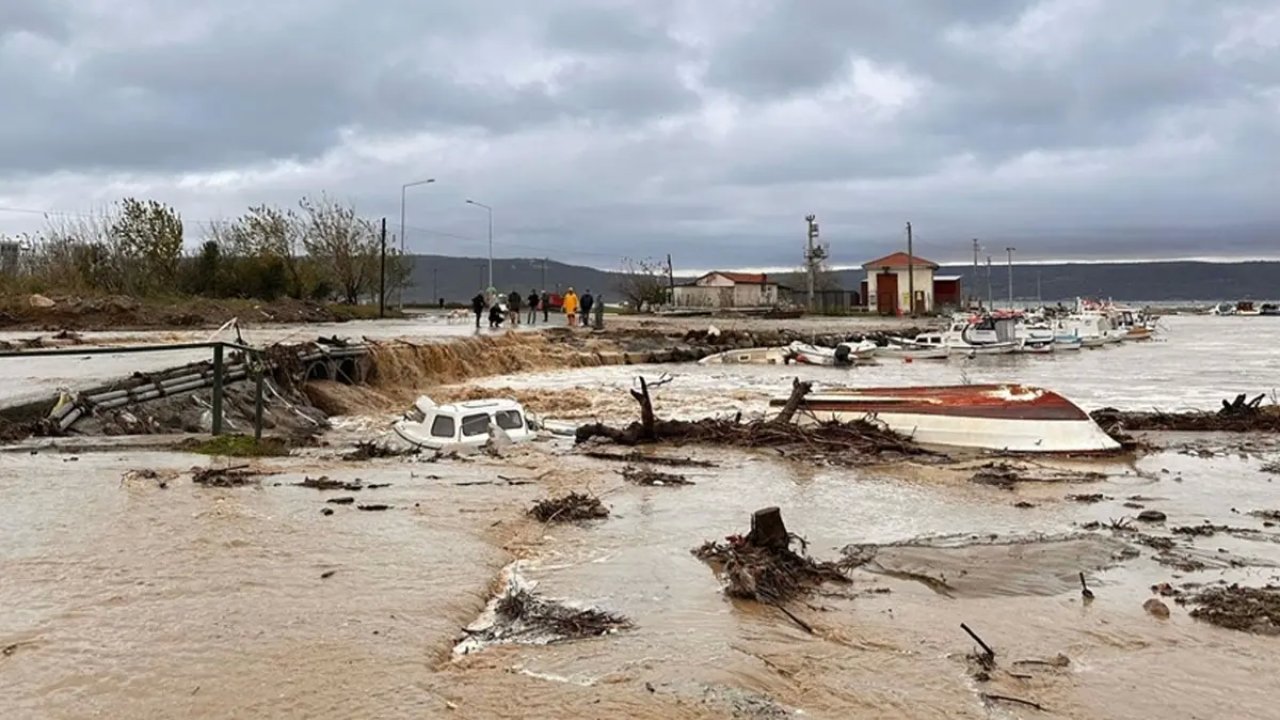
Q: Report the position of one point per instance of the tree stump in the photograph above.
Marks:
(798, 391)
(768, 530)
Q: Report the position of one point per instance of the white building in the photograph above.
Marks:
(727, 290)
(887, 283)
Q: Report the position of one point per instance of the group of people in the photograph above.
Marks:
(507, 309)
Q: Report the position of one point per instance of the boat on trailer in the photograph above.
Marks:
(1013, 418)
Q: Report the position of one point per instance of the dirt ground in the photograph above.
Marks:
(118, 312)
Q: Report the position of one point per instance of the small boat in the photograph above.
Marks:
(1015, 418)
(1270, 309)
(464, 424)
(1067, 342)
(1138, 332)
(910, 352)
(846, 353)
(749, 356)
(1039, 346)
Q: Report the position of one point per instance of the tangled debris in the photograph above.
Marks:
(1254, 610)
(762, 566)
(569, 508)
(645, 476)
(520, 615)
(369, 450)
(1271, 467)
(236, 476)
(324, 483)
(638, 457)
(1237, 415)
(1088, 498)
(1006, 475)
(832, 441)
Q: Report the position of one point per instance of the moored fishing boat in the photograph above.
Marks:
(1015, 418)
(846, 353)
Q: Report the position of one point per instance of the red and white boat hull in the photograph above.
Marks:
(1015, 418)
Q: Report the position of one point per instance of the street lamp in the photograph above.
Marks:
(403, 188)
(490, 211)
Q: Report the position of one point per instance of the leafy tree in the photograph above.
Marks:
(148, 238)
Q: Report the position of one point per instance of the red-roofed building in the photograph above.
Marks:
(888, 280)
(727, 290)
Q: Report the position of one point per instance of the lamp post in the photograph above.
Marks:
(490, 211)
(403, 188)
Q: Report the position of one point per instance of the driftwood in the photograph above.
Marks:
(646, 476)
(834, 440)
(223, 477)
(1239, 414)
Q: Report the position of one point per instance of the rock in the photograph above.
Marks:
(1156, 608)
(40, 301)
(1153, 516)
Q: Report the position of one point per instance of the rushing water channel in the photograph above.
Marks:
(122, 598)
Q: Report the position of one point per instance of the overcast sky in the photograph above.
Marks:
(707, 128)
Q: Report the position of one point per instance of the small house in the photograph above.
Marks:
(720, 289)
(891, 278)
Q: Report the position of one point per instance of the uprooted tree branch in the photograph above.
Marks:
(834, 441)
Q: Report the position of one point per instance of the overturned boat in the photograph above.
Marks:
(470, 423)
(1014, 418)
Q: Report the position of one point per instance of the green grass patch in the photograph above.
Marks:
(238, 446)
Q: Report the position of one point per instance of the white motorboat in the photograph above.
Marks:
(1039, 346)
(1015, 418)
(846, 353)
(470, 423)
(911, 351)
(1067, 342)
(749, 356)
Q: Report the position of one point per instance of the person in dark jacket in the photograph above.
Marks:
(477, 307)
(513, 307)
(545, 304)
(586, 301)
(496, 315)
(533, 307)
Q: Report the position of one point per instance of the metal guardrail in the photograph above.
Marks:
(74, 411)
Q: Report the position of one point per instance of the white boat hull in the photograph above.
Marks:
(749, 356)
(986, 433)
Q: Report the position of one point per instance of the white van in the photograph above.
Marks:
(461, 424)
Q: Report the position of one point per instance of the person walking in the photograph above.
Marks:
(533, 307)
(513, 307)
(545, 302)
(570, 307)
(477, 307)
(587, 302)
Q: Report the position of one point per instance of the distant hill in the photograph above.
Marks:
(458, 278)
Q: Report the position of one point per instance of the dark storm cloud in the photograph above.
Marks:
(609, 127)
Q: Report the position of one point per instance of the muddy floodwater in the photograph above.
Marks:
(144, 595)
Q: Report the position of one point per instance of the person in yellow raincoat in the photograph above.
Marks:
(569, 304)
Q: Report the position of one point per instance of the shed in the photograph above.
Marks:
(888, 284)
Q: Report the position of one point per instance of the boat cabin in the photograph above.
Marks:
(464, 423)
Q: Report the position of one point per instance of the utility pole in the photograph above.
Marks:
(1010, 251)
(543, 287)
(671, 281)
(813, 256)
(489, 210)
(991, 298)
(382, 277)
(974, 292)
(911, 274)
(403, 189)
(482, 288)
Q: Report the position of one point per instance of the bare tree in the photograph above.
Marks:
(643, 283)
(343, 246)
